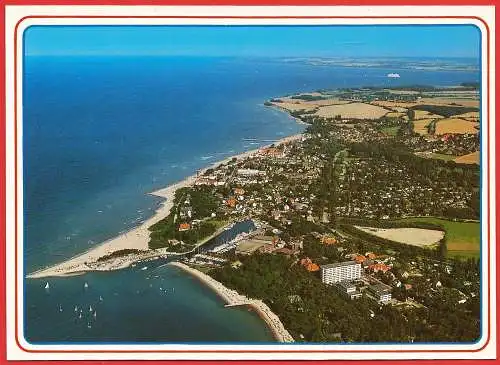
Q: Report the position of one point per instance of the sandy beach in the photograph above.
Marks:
(136, 238)
(233, 298)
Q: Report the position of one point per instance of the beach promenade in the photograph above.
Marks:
(233, 298)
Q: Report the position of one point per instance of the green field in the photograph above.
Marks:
(442, 156)
(390, 131)
(462, 238)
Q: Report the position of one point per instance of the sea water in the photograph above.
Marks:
(101, 132)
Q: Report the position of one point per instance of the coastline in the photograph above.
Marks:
(233, 299)
(136, 238)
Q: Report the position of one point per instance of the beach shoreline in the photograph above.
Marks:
(136, 238)
(233, 299)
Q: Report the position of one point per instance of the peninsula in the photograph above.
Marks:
(334, 209)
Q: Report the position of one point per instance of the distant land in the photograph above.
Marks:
(431, 64)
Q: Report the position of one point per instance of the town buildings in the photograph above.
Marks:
(380, 292)
(340, 271)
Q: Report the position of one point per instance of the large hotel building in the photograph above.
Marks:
(340, 271)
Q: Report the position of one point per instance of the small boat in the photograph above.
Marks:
(144, 268)
(394, 75)
(60, 308)
(80, 315)
(47, 286)
(95, 314)
(90, 308)
(76, 309)
(89, 325)
(86, 285)
(100, 298)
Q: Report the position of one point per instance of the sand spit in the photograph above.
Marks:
(233, 298)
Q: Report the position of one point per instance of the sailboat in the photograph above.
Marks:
(95, 314)
(76, 309)
(85, 285)
(60, 308)
(47, 286)
(90, 308)
(100, 298)
(80, 315)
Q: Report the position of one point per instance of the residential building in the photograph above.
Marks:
(250, 172)
(184, 227)
(380, 292)
(348, 289)
(340, 271)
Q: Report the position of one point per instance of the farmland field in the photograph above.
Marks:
(423, 114)
(456, 125)
(420, 126)
(473, 157)
(352, 110)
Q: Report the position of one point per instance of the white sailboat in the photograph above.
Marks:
(60, 308)
(86, 285)
(76, 309)
(90, 308)
(47, 286)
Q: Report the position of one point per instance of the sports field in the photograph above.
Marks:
(463, 239)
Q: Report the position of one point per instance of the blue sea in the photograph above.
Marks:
(99, 133)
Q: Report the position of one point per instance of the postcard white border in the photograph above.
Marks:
(16, 13)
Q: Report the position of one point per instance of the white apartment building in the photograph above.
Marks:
(340, 271)
(380, 292)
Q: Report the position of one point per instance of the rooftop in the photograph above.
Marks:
(380, 289)
(338, 264)
(346, 284)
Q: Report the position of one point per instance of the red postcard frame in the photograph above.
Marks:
(221, 2)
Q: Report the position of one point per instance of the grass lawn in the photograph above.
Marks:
(390, 131)
(441, 156)
(462, 238)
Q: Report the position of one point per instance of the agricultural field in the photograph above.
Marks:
(395, 115)
(473, 103)
(394, 105)
(420, 126)
(463, 239)
(471, 158)
(422, 114)
(352, 110)
(410, 236)
(294, 105)
(456, 125)
(469, 115)
(332, 101)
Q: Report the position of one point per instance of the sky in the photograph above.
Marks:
(256, 41)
